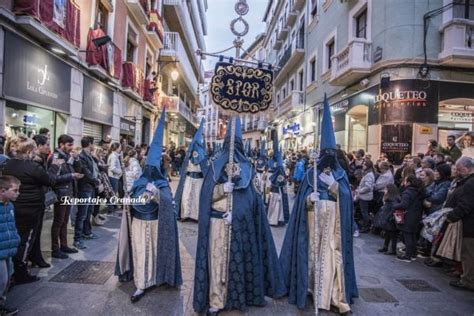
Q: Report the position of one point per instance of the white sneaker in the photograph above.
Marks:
(356, 234)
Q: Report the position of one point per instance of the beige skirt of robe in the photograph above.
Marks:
(218, 267)
(144, 248)
(326, 245)
(275, 209)
(191, 191)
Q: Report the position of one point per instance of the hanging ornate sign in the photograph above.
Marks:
(242, 89)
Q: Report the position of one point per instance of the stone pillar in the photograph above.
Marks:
(75, 124)
(117, 112)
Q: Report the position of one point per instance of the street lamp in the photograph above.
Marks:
(174, 75)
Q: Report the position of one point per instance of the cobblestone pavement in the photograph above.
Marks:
(83, 289)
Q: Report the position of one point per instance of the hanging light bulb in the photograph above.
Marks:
(174, 75)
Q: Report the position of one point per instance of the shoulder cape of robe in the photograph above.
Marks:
(254, 271)
(294, 253)
(182, 172)
(168, 259)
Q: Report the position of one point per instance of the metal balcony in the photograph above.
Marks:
(277, 45)
(352, 63)
(292, 103)
(175, 105)
(133, 80)
(155, 30)
(100, 61)
(283, 33)
(139, 10)
(291, 18)
(178, 16)
(298, 4)
(290, 58)
(173, 50)
(457, 43)
(35, 18)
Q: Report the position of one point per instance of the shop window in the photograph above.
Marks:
(361, 24)
(101, 16)
(132, 44)
(312, 69)
(329, 53)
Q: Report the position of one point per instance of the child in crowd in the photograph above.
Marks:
(384, 219)
(9, 238)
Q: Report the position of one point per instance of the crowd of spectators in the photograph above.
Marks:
(35, 179)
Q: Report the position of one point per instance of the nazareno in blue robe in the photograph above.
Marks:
(168, 268)
(200, 158)
(254, 270)
(294, 253)
(278, 178)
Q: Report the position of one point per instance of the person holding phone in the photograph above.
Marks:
(68, 165)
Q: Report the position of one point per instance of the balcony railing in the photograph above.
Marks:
(175, 105)
(133, 79)
(173, 47)
(293, 102)
(140, 10)
(352, 63)
(105, 60)
(293, 52)
(66, 25)
(458, 43)
(179, 11)
(155, 30)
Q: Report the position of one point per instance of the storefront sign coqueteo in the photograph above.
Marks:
(242, 89)
(35, 76)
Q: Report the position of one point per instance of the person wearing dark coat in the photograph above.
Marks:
(69, 165)
(435, 200)
(462, 202)
(29, 205)
(411, 203)
(384, 219)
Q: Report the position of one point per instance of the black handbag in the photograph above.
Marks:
(50, 197)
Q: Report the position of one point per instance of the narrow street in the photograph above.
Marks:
(84, 284)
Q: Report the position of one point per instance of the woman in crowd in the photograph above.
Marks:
(468, 144)
(133, 170)
(115, 168)
(100, 157)
(30, 203)
(427, 178)
(365, 193)
(387, 222)
(438, 195)
(411, 204)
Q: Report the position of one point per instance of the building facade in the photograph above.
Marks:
(254, 126)
(388, 91)
(285, 45)
(93, 67)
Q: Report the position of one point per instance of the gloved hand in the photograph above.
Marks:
(327, 178)
(227, 217)
(314, 196)
(228, 187)
(150, 187)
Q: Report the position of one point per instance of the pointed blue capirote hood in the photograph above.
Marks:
(328, 139)
(219, 164)
(197, 151)
(156, 147)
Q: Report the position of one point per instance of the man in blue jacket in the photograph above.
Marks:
(9, 238)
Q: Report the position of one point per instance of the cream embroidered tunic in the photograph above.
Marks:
(191, 191)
